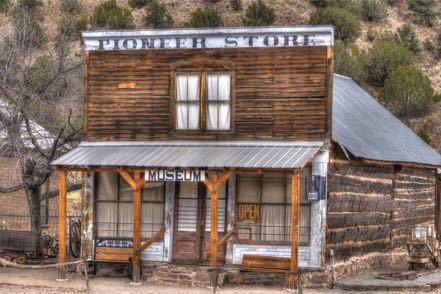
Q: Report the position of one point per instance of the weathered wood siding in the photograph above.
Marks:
(372, 208)
(277, 93)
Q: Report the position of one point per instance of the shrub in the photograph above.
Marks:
(349, 61)
(422, 10)
(371, 34)
(407, 36)
(407, 92)
(70, 6)
(236, 5)
(109, 15)
(423, 133)
(40, 73)
(207, 17)
(29, 5)
(258, 14)
(135, 4)
(27, 30)
(384, 57)
(373, 10)
(438, 44)
(428, 45)
(70, 27)
(4, 6)
(393, 2)
(350, 5)
(347, 26)
(158, 16)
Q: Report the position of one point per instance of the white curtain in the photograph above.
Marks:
(272, 223)
(107, 212)
(125, 219)
(187, 101)
(152, 211)
(219, 101)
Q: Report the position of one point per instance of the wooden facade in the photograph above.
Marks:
(277, 93)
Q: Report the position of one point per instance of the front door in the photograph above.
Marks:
(192, 223)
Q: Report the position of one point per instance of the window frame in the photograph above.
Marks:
(286, 205)
(117, 201)
(202, 70)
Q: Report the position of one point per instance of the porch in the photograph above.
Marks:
(133, 212)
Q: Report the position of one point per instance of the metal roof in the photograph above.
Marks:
(192, 154)
(367, 130)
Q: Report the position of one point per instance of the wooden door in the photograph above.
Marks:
(192, 223)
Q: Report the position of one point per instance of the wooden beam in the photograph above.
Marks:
(295, 205)
(157, 236)
(214, 218)
(62, 198)
(224, 239)
(137, 210)
(132, 182)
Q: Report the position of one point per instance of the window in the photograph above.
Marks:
(203, 93)
(44, 204)
(115, 207)
(272, 195)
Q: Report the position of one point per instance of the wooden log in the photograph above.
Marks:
(156, 237)
(295, 210)
(137, 211)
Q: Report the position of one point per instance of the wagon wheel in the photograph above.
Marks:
(21, 259)
(75, 238)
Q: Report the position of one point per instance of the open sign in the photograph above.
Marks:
(249, 212)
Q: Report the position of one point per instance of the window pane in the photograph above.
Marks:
(193, 116)
(181, 115)
(212, 86)
(248, 189)
(181, 87)
(212, 117)
(107, 186)
(153, 191)
(273, 189)
(107, 219)
(305, 181)
(125, 191)
(193, 87)
(224, 87)
(272, 223)
(125, 219)
(188, 206)
(152, 218)
(304, 223)
(224, 116)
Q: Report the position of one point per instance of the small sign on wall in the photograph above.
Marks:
(249, 212)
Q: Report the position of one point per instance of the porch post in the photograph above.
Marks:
(214, 217)
(62, 174)
(137, 206)
(295, 193)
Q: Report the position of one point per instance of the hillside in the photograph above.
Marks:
(287, 12)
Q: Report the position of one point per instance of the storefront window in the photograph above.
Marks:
(264, 208)
(115, 207)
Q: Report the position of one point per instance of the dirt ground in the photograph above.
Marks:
(44, 281)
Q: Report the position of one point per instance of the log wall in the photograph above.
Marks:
(277, 93)
(373, 208)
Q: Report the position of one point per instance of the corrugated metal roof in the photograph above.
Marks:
(197, 154)
(367, 130)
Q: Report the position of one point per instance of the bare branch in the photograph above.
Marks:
(12, 189)
(54, 193)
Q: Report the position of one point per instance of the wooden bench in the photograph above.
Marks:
(261, 263)
(113, 254)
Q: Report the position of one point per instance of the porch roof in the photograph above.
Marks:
(192, 154)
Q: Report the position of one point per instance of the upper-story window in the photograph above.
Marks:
(203, 101)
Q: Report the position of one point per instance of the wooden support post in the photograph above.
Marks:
(213, 184)
(295, 203)
(62, 198)
(137, 210)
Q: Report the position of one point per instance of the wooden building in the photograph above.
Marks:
(208, 145)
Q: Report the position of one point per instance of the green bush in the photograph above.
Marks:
(393, 2)
(407, 92)
(70, 6)
(135, 4)
(423, 133)
(407, 36)
(70, 27)
(371, 34)
(158, 16)
(373, 10)
(349, 61)
(109, 15)
(207, 17)
(428, 45)
(4, 6)
(27, 30)
(347, 26)
(40, 73)
(350, 5)
(423, 10)
(258, 14)
(383, 58)
(236, 5)
(29, 5)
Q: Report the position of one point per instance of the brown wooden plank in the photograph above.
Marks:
(112, 257)
(114, 250)
(62, 214)
(137, 211)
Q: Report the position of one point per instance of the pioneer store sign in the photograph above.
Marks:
(175, 175)
(209, 38)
